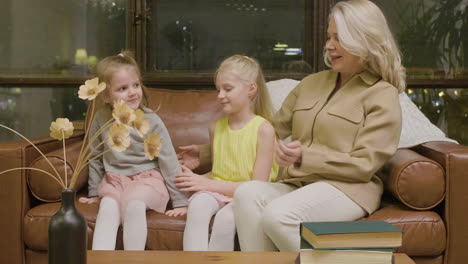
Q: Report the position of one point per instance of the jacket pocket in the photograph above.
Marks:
(305, 104)
(303, 117)
(351, 113)
(342, 127)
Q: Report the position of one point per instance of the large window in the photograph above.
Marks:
(57, 38)
(49, 47)
(29, 110)
(187, 39)
(195, 35)
(445, 108)
(433, 37)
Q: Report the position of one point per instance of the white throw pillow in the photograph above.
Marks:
(417, 128)
(279, 90)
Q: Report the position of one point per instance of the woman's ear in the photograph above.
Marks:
(252, 89)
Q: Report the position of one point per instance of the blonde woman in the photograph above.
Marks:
(242, 150)
(344, 123)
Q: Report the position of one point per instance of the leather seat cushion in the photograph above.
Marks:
(417, 181)
(164, 232)
(424, 232)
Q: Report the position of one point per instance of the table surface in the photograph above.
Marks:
(194, 257)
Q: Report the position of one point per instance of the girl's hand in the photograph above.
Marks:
(188, 181)
(180, 211)
(288, 154)
(92, 200)
(189, 156)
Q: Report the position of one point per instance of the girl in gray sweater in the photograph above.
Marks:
(126, 182)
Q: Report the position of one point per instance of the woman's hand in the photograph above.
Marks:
(177, 211)
(92, 200)
(188, 181)
(290, 153)
(189, 156)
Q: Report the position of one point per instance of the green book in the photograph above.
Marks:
(351, 235)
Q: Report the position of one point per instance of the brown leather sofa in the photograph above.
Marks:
(425, 193)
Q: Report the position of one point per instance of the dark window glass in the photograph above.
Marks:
(57, 37)
(31, 110)
(433, 36)
(446, 108)
(196, 35)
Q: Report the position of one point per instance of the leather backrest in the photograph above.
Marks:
(187, 114)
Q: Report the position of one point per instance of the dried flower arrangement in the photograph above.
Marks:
(123, 119)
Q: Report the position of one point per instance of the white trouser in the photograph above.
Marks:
(268, 215)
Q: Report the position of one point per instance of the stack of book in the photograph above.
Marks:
(357, 242)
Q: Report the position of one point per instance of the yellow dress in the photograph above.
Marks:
(235, 151)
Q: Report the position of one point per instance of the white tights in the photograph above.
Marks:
(108, 221)
(201, 208)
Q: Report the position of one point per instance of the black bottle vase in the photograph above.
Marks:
(67, 233)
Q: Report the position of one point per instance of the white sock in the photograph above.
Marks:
(201, 208)
(107, 224)
(224, 230)
(134, 226)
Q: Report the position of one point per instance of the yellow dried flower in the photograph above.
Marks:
(141, 123)
(123, 114)
(91, 89)
(153, 145)
(61, 124)
(119, 137)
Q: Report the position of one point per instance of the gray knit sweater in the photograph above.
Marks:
(133, 160)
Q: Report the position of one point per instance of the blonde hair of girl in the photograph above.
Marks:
(248, 69)
(106, 68)
(363, 31)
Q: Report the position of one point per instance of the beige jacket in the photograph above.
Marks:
(346, 139)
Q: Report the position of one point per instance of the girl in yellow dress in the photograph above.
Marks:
(242, 150)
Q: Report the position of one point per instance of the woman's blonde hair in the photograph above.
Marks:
(106, 68)
(249, 70)
(363, 31)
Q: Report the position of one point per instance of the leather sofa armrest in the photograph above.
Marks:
(454, 160)
(415, 180)
(46, 189)
(14, 194)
